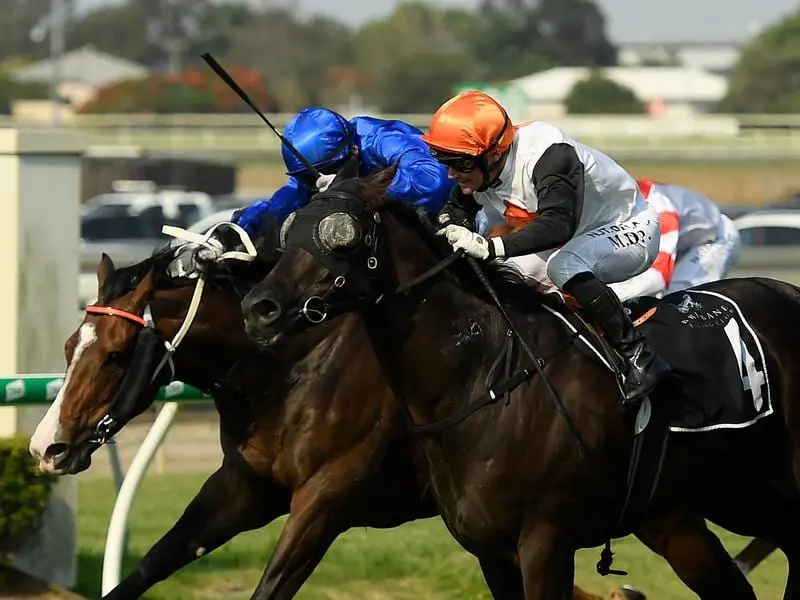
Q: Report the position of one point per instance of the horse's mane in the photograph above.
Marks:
(223, 275)
(125, 279)
(507, 281)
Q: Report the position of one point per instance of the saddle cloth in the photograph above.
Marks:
(719, 369)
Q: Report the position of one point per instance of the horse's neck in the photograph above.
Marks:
(437, 338)
(213, 341)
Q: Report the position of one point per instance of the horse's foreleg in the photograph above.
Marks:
(232, 500)
(503, 577)
(547, 562)
(697, 556)
(307, 534)
(504, 580)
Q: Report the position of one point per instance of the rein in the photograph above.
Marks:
(538, 364)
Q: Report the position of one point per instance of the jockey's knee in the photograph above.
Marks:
(565, 265)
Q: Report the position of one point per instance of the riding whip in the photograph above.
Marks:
(223, 74)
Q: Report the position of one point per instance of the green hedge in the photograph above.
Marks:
(24, 494)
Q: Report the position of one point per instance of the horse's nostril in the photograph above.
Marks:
(54, 451)
(267, 309)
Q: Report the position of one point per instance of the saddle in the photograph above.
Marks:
(719, 381)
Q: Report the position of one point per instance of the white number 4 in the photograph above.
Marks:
(752, 378)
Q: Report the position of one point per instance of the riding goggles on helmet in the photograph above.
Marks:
(466, 163)
(463, 163)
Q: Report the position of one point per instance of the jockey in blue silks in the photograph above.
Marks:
(360, 147)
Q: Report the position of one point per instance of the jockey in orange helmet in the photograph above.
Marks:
(573, 198)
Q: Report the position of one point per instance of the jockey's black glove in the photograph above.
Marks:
(460, 209)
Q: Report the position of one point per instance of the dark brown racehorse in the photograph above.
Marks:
(513, 484)
(293, 428)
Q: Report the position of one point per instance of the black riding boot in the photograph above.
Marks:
(645, 369)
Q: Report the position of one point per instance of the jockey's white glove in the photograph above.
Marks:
(211, 250)
(473, 244)
(324, 182)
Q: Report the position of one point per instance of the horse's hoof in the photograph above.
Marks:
(627, 592)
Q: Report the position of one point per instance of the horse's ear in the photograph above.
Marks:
(104, 269)
(378, 182)
(382, 179)
(143, 290)
(387, 175)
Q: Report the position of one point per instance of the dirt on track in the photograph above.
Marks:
(15, 585)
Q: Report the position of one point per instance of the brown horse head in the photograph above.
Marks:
(121, 354)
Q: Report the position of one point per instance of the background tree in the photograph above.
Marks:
(766, 78)
(409, 61)
(191, 91)
(17, 19)
(295, 56)
(11, 90)
(521, 37)
(599, 95)
(413, 58)
(155, 33)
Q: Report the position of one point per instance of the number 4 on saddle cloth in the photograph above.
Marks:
(718, 363)
(718, 381)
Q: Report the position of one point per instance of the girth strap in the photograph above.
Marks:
(493, 395)
(489, 398)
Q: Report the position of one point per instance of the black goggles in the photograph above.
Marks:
(463, 163)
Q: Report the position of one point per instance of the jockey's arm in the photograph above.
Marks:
(558, 180)
(286, 199)
(419, 179)
(460, 209)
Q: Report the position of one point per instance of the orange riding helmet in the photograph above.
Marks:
(466, 127)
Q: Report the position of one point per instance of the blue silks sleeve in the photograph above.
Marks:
(285, 200)
(419, 180)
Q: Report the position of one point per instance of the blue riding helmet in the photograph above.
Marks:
(324, 138)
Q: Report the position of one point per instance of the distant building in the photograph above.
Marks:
(82, 73)
(718, 57)
(666, 90)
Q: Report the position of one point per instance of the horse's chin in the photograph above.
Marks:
(273, 340)
(77, 460)
(264, 337)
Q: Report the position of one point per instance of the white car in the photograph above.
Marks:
(766, 228)
(770, 245)
(206, 223)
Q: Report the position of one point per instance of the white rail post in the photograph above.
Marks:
(117, 527)
(40, 179)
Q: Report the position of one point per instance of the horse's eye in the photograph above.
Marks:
(114, 358)
(338, 232)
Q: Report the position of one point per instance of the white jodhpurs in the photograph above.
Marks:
(707, 262)
(613, 252)
(534, 269)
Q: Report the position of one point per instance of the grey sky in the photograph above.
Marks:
(628, 20)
